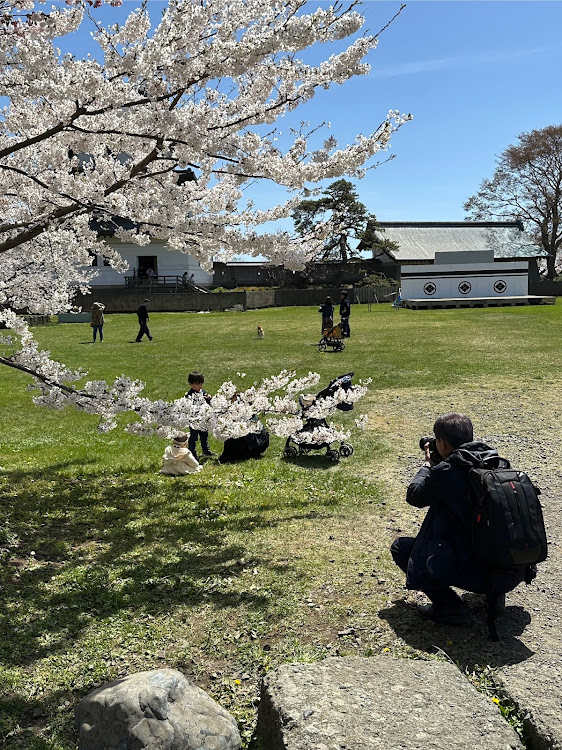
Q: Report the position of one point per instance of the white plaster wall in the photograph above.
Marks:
(447, 278)
(170, 263)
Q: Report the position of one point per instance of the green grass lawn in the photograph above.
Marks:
(109, 567)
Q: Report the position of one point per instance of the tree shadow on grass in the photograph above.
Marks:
(312, 461)
(93, 546)
(24, 720)
(469, 646)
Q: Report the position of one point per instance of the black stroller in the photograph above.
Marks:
(297, 444)
(332, 337)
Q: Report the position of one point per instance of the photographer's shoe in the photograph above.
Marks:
(446, 614)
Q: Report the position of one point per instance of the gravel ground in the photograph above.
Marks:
(523, 422)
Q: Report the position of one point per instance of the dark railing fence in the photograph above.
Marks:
(177, 283)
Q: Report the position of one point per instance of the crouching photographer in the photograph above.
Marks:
(442, 554)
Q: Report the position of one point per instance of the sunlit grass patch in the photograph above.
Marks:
(109, 567)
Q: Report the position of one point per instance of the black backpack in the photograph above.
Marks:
(507, 522)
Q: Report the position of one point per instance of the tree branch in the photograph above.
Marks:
(71, 391)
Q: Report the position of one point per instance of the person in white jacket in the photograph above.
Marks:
(178, 459)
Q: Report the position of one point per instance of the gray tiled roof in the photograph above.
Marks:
(419, 241)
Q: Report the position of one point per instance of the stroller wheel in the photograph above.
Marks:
(346, 450)
(333, 455)
(341, 347)
(290, 452)
(322, 346)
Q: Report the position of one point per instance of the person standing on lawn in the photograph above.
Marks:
(143, 317)
(196, 380)
(97, 320)
(327, 310)
(345, 312)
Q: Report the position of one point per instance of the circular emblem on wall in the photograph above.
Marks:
(464, 287)
(430, 288)
(500, 286)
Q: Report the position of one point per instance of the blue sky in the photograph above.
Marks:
(474, 73)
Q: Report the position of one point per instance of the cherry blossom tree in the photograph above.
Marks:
(119, 139)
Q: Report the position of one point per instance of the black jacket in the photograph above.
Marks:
(203, 392)
(345, 308)
(248, 446)
(442, 552)
(142, 313)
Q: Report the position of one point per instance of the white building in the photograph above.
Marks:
(464, 275)
(166, 264)
(457, 261)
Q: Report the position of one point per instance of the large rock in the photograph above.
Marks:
(535, 686)
(158, 710)
(381, 702)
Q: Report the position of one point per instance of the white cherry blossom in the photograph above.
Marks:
(201, 87)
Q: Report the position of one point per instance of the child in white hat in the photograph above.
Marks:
(178, 459)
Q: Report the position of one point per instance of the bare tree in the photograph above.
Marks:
(527, 186)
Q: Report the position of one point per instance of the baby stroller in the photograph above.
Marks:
(332, 337)
(297, 444)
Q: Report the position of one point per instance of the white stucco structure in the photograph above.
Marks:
(164, 262)
(457, 275)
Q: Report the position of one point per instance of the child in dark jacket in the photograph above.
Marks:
(196, 380)
(327, 310)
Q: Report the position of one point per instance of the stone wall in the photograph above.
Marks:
(300, 297)
(127, 301)
(292, 297)
(260, 298)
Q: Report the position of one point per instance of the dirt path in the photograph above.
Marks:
(523, 421)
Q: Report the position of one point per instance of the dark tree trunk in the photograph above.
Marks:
(343, 250)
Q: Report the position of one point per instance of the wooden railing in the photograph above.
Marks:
(154, 282)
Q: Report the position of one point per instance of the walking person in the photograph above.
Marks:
(345, 312)
(327, 310)
(97, 320)
(143, 317)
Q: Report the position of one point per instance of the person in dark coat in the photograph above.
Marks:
(143, 317)
(327, 310)
(245, 447)
(440, 556)
(196, 380)
(345, 312)
(97, 320)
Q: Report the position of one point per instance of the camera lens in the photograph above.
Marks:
(424, 441)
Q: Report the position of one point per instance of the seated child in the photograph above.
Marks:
(178, 459)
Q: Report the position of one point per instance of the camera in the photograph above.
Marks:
(433, 452)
